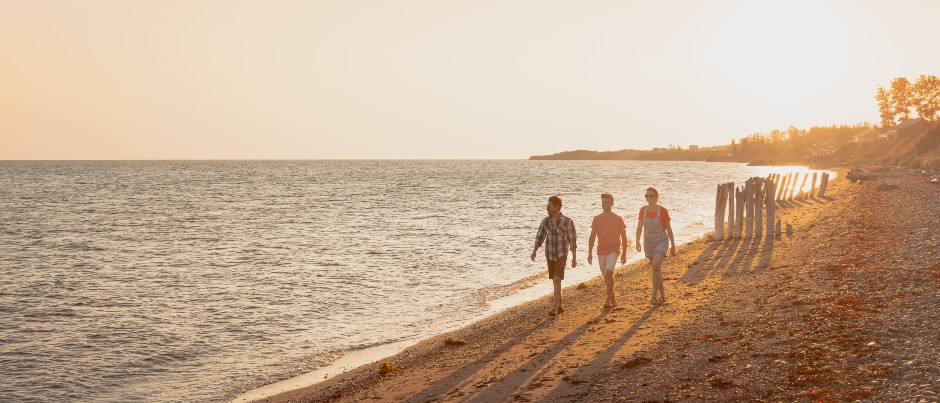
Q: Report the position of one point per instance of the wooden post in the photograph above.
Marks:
(801, 194)
(796, 175)
(758, 206)
(812, 187)
(771, 207)
(823, 182)
(729, 193)
(719, 215)
(738, 212)
(719, 218)
(748, 208)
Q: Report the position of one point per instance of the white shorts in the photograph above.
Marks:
(608, 262)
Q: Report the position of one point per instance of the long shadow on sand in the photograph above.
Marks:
(511, 382)
(600, 362)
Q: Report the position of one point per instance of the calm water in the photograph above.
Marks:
(193, 281)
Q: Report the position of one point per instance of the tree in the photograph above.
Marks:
(902, 97)
(926, 96)
(884, 106)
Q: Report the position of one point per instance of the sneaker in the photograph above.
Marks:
(560, 310)
(608, 305)
(552, 313)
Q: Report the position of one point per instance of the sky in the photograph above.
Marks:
(415, 79)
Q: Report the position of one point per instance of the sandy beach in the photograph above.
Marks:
(842, 310)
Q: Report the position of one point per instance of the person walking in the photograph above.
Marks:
(561, 236)
(611, 234)
(657, 236)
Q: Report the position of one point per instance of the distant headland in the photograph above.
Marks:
(912, 143)
(898, 141)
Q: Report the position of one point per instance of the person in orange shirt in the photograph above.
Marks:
(654, 225)
(611, 234)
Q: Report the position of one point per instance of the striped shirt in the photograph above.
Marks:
(561, 237)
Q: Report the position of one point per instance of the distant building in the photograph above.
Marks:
(819, 152)
(865, 136)
(910, 126)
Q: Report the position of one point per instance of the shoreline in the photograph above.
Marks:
(741, 317)
(354, 359)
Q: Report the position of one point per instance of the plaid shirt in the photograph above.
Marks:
(561, 237)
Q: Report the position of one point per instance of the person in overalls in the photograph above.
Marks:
(654, 225)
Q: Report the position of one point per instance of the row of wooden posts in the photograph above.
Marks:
(746, 206)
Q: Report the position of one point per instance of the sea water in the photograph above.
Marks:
(197, 280)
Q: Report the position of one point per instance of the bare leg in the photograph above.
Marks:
(658, 276)
(609, 282)
(557, 299)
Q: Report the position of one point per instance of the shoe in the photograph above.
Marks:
(613, 304)
(561, 310)
(654, 301)
(608, 305)
(552, 313)
(662, 300)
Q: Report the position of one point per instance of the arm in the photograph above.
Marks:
(672, 241)
(539, 238)
(623, 246)
(591, 243)
(573, 241)
(639, 230)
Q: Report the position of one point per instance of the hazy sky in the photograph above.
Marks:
(186, 79)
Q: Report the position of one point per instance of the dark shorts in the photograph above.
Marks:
(557, 268)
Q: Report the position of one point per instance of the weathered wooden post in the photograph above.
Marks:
(719, 212)
(812, 187)
(748, 208)
(729, 193)
(771, 207)
(781, 195)
(823, 183)
(801, 194)
(758, 206)
(738, 212)
(796, 175)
